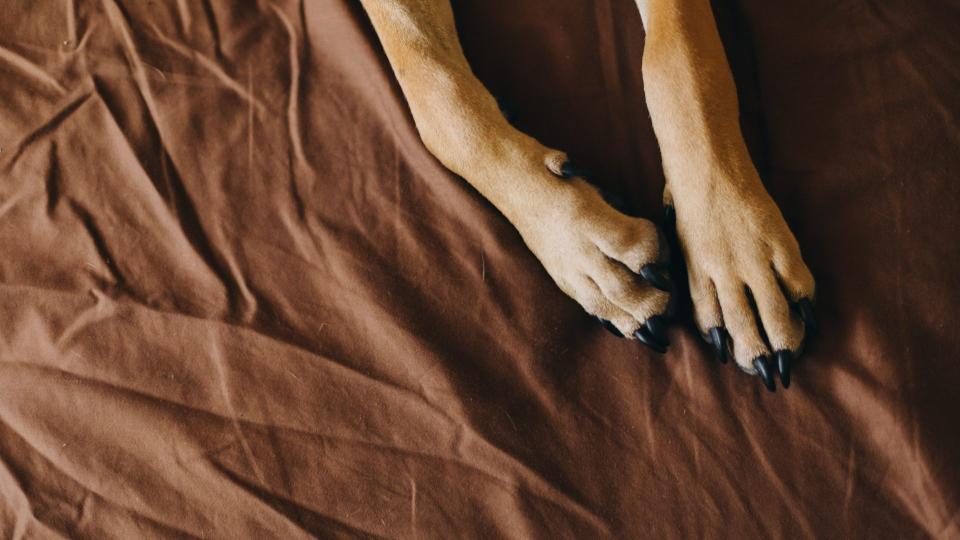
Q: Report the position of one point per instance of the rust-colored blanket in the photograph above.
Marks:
(239, 299)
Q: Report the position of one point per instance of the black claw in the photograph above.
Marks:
(656, 277)
(658, 329)
(669, 215)
(647, 339)
(670, 220)
(784, 361)
(805, 306)
(568, 170)
(718, 338)
(610, 327)
(760, 364)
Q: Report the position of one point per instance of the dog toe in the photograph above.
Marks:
(645, 304)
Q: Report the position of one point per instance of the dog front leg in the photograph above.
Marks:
(739, 251)
(594, 253)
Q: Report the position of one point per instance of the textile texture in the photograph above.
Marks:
(239, 299)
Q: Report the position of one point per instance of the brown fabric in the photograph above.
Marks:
(239, 298)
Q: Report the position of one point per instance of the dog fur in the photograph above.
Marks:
(737, 246)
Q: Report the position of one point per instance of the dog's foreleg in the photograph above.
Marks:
(592, 251)
(457, 118)
(738, 247)
(690, 91)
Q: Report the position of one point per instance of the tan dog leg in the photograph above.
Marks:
(593, 252)
(735, 240)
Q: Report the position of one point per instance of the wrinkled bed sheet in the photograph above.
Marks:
(238, 298)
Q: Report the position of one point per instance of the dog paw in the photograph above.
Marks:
(752, 293)
(612, 264)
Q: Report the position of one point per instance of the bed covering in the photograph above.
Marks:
(239, 299)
